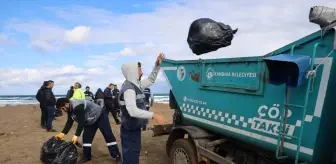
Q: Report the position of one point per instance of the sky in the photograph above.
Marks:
(88, 41)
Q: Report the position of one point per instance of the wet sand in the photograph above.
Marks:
(21, 137)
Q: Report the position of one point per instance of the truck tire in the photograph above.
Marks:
(183, 151)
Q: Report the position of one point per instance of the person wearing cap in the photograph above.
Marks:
(88, 94)
(78, 93)
(89, 117)
(133, 108)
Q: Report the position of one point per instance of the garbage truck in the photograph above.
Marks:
(270, 109)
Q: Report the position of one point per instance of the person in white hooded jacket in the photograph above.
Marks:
(133, 108)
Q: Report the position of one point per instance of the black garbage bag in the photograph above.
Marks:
(67, 155)
(322, 15)
(206, 35)
(50, 149)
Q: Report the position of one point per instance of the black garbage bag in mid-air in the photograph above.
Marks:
(55, 150)
(206, 35)
(67, 155)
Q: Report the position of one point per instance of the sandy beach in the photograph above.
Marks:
(21, 137)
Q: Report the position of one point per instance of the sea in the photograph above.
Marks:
(15, 100)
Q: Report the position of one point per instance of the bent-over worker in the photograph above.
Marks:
(89, 117)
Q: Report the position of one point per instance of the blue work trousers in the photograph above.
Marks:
(103, 124)
(131, 145)
(50, 116)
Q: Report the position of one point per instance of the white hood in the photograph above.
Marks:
(130, 72)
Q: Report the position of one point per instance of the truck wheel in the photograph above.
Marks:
(182, 152)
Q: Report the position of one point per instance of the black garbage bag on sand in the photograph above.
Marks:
(206, 35)
(50, 149)
(68, 155)
(53, 149)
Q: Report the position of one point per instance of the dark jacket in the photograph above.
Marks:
(115, 92)
(107, 94)
(88, 95)
(70, 93)
(116, 95)
(39, 94)
(49, 97)
(99, 94)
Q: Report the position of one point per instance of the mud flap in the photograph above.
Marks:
(159, 130)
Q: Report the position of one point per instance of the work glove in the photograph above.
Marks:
(60, 135)
(74, 139)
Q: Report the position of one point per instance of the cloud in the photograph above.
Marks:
(102, 60)
(64, 76)
(140, 49)
(263, 26)
(42, 46)
(141, 52)
(5, 40)
(78, 34)
(44, 36)
(127, 52)
(78, 16)
(48, 37)
(267, 24)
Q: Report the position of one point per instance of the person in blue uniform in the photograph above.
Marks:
(90, 117)
(132, 105)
